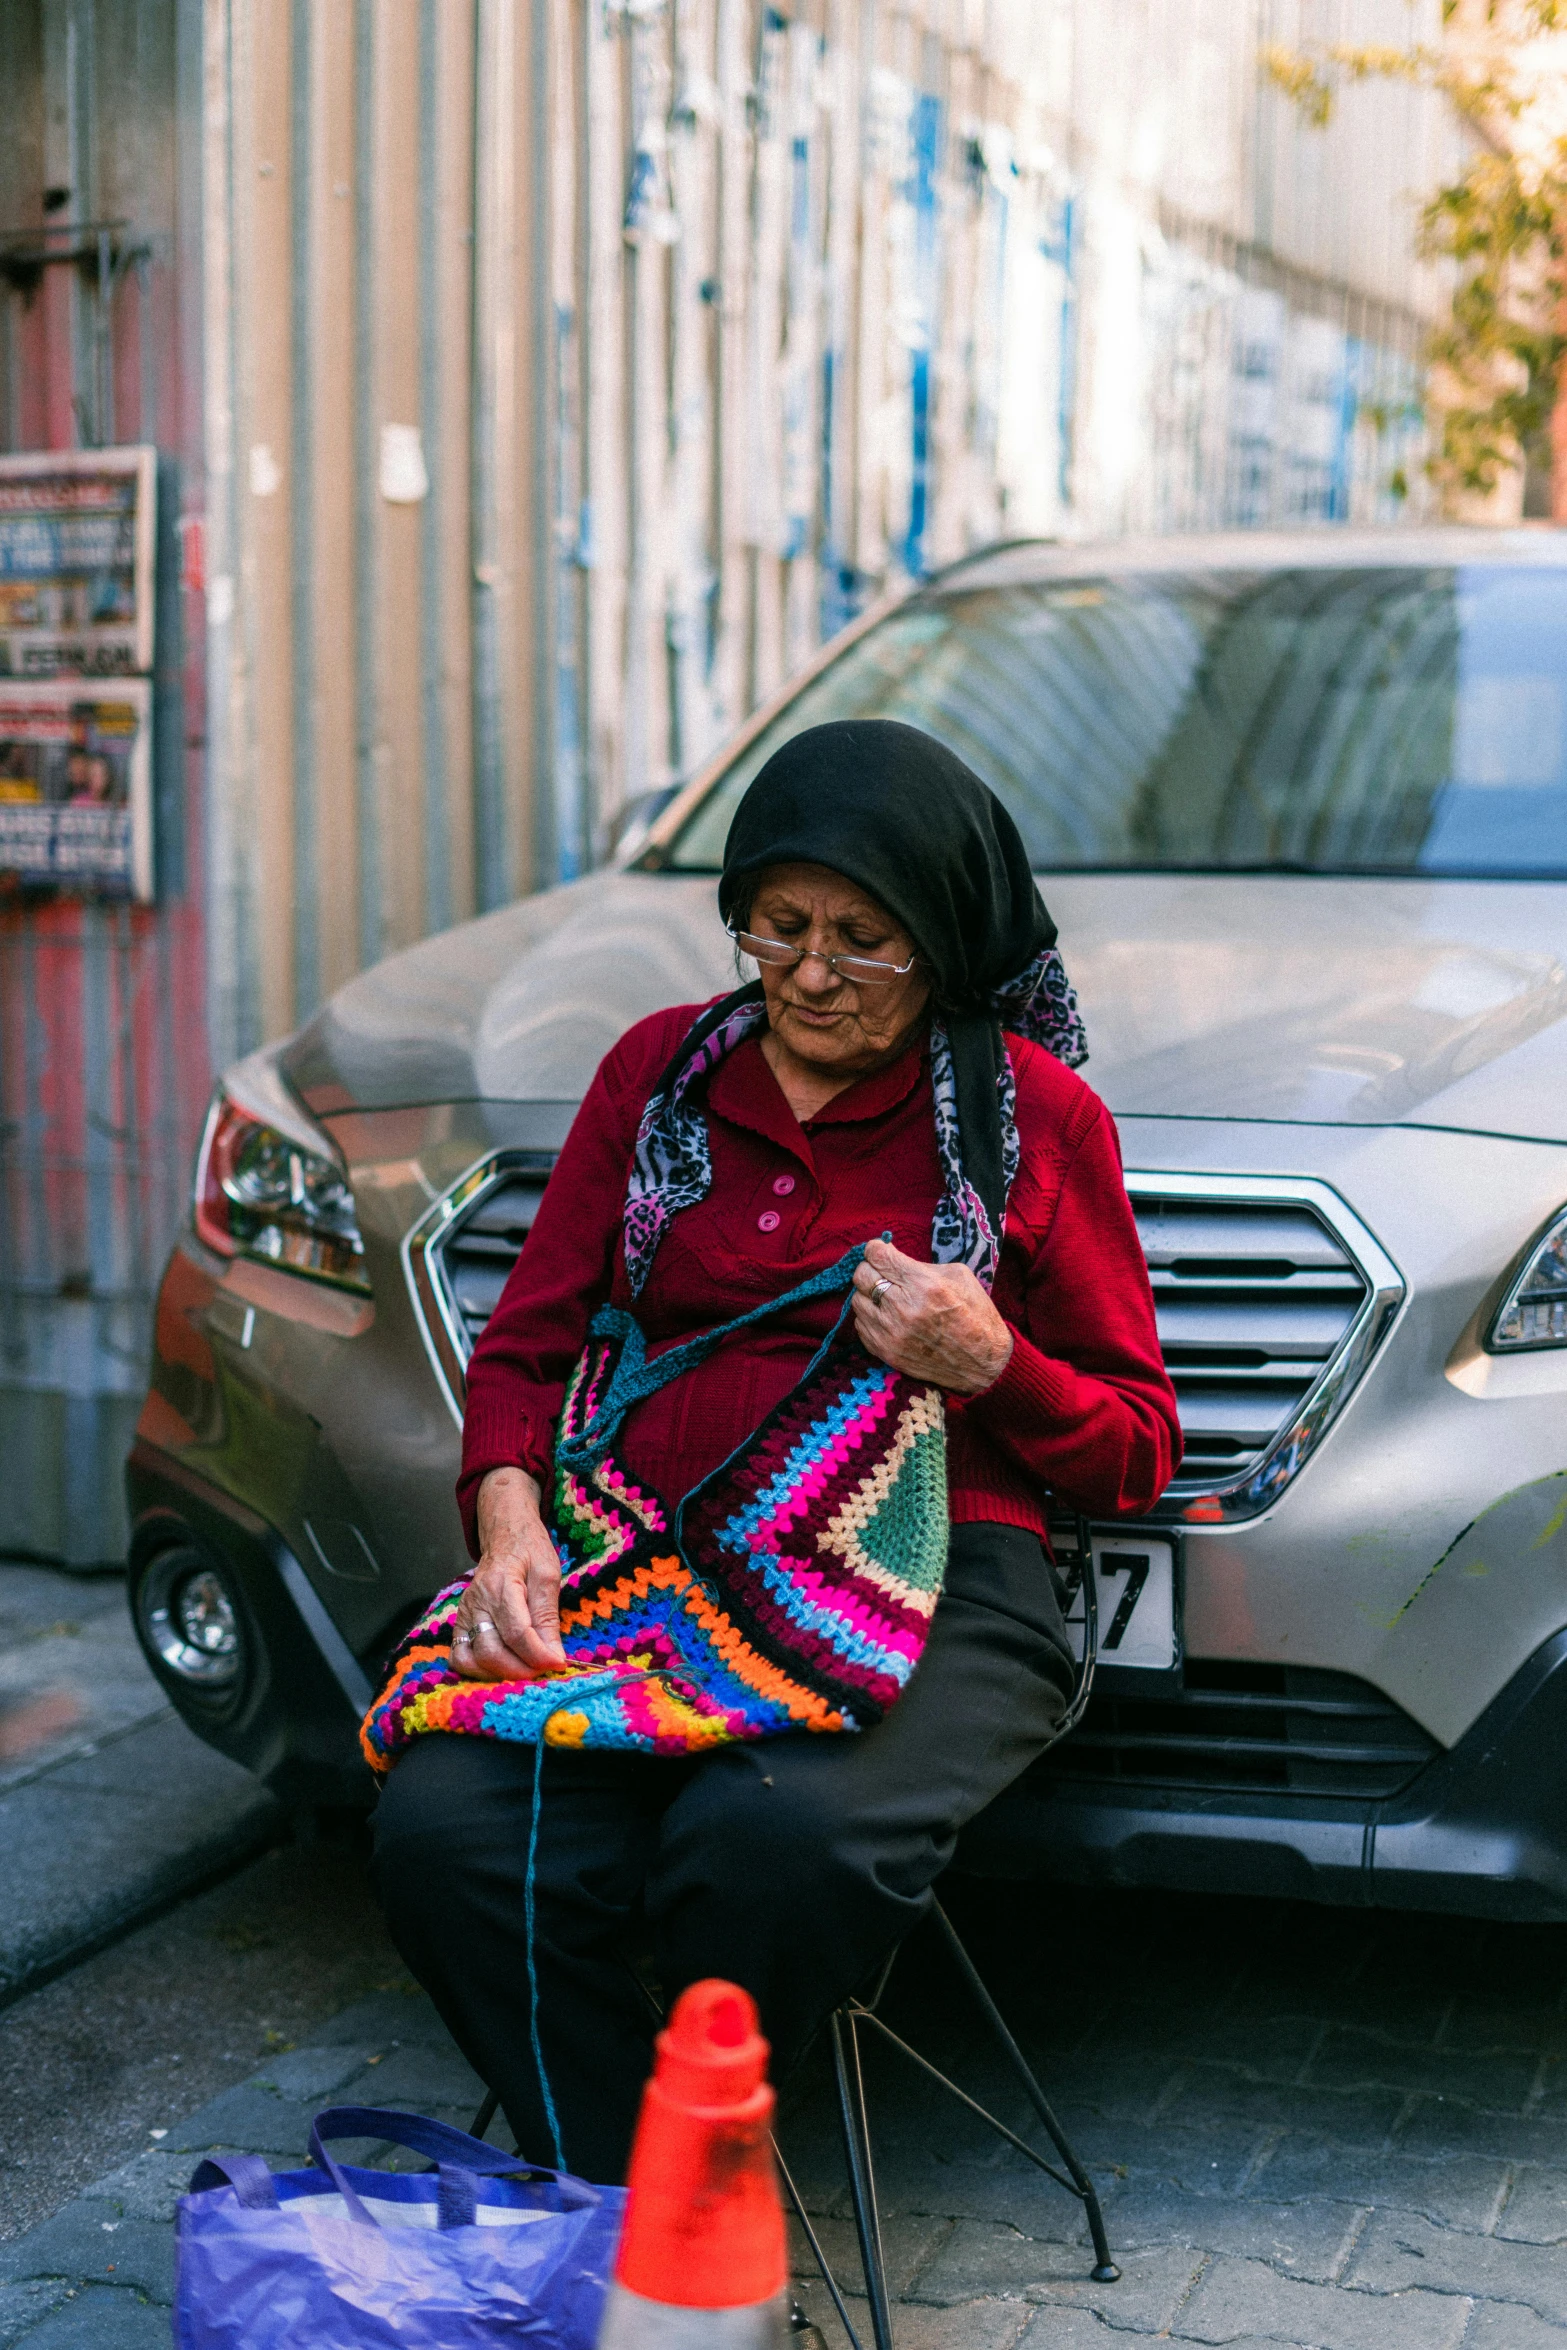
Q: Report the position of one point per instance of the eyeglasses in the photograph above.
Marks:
(860, 969)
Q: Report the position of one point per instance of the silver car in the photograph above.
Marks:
(1299, 806)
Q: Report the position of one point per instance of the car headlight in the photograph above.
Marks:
(1534, 1311)
(260, 1192)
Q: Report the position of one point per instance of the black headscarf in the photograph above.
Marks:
(900, 815)
(896, 812)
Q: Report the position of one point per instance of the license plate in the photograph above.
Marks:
(1134, 1578)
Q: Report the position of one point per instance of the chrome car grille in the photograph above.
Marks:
(1251, 1303)
(457, 1257)
(1250, 1728)
(481, 1247)
(1271, 1299)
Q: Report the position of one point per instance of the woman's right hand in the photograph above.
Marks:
(508, 1619)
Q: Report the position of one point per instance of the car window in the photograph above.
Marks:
(1377, 720)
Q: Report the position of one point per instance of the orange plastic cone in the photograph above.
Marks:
(703, 2260)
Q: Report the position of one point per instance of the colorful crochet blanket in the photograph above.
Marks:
(791, 1590)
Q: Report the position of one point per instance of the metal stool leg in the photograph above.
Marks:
(1105, 2271)
(862, 2177)
(485, 2115)
(817, 2254)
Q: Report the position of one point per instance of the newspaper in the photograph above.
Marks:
(77, 538)
(76, 786)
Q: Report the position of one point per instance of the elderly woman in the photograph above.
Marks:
(744, 1731)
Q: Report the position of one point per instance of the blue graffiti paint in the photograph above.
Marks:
(1061, 248)
(843, 589)
(640, 189)
(832, 616)
(1350, 378)
(572, 845)
(926, 126)
(800, 193)
(797, 389)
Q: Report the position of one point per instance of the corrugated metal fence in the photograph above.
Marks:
(567, 369)
(103, 1058)
(584, 364)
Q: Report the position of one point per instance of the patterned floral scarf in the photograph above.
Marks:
(672, 1167)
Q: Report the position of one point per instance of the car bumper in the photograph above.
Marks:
(1482, 1830)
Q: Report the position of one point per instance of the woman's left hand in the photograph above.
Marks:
(934, 1322)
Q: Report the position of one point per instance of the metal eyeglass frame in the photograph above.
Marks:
(886, 973)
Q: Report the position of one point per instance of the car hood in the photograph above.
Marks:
(1300, 999)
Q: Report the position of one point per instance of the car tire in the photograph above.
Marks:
(196, 1630)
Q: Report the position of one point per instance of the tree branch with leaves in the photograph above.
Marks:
(1501, 222)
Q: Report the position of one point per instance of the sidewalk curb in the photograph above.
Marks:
(152, 1817)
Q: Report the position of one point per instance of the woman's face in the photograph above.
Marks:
(829, 1022)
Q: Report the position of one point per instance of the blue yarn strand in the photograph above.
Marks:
(635, 1378)
(550, 2114)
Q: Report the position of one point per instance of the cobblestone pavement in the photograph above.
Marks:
(1312, 2128)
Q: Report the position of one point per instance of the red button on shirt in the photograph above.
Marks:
(783, 1185)
(769, 1222)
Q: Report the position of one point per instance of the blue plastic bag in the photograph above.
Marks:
(484, 2250)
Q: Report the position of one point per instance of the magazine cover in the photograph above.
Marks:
(76, 786)
(77, 536)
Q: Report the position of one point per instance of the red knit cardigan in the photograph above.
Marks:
(1083, 1406)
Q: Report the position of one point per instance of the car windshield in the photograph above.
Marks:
(1379, 720)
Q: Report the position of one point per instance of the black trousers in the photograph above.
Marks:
(792, 1866)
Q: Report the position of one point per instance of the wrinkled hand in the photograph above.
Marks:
(933, 1321)
(508, 1619)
